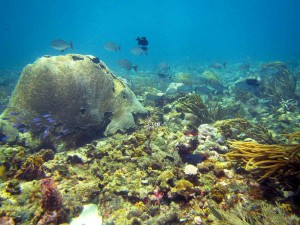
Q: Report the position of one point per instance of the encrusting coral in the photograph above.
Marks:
(266, 160)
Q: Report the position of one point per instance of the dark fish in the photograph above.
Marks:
(112, 47)
(127, 65)
(144, 48)
(142, 41)
(163, 75)
(138, 51)
(252, 81)
(61, 45)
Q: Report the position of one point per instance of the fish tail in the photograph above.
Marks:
(71, 45)
(135, 68)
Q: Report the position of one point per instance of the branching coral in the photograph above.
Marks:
(280, 84)
(266, 160)
(193, 103)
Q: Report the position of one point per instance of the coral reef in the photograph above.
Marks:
(32, 169)
(193, 104)
(240, 129)
(279, 83)
(173, 168)
(267, 160)
(58, 99)
(54, 212)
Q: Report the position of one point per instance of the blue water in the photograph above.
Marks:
(178, 31)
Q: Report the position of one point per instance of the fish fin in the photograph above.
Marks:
(135, 68)
(71, 45)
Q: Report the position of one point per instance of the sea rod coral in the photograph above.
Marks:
(266, 160)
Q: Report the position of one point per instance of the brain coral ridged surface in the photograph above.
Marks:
(60, 95)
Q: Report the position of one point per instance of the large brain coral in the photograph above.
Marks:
(71, 94)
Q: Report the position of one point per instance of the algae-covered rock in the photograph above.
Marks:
(71, 95)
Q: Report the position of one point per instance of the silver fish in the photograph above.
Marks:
(127, 65)
(138, 51)
(112, 47)
(61, 45)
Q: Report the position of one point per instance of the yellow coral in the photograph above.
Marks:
(182, 185)
(164, 177)
(267, 160)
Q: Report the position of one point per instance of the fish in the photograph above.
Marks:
(51, 120)
(112, 47)
(138, 51)
(218, 65)
(23, 129)
(61, 45)
(3, 137)
(13, 113)
(127, 65)
(244, 66)
(46, 133)
(252, 81)
(46, 115)
(163, 67)
(36, 120)
(142, 41)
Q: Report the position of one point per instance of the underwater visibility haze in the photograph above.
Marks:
(150, 112)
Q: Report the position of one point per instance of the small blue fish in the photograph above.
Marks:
(46, 115)
(5, 118)
(51, 120)
(65, 131)
(58, 137)
(13, 114)
(36, 120)
(46, 133)
(23, 130)
(4, 138)
(17, 125)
